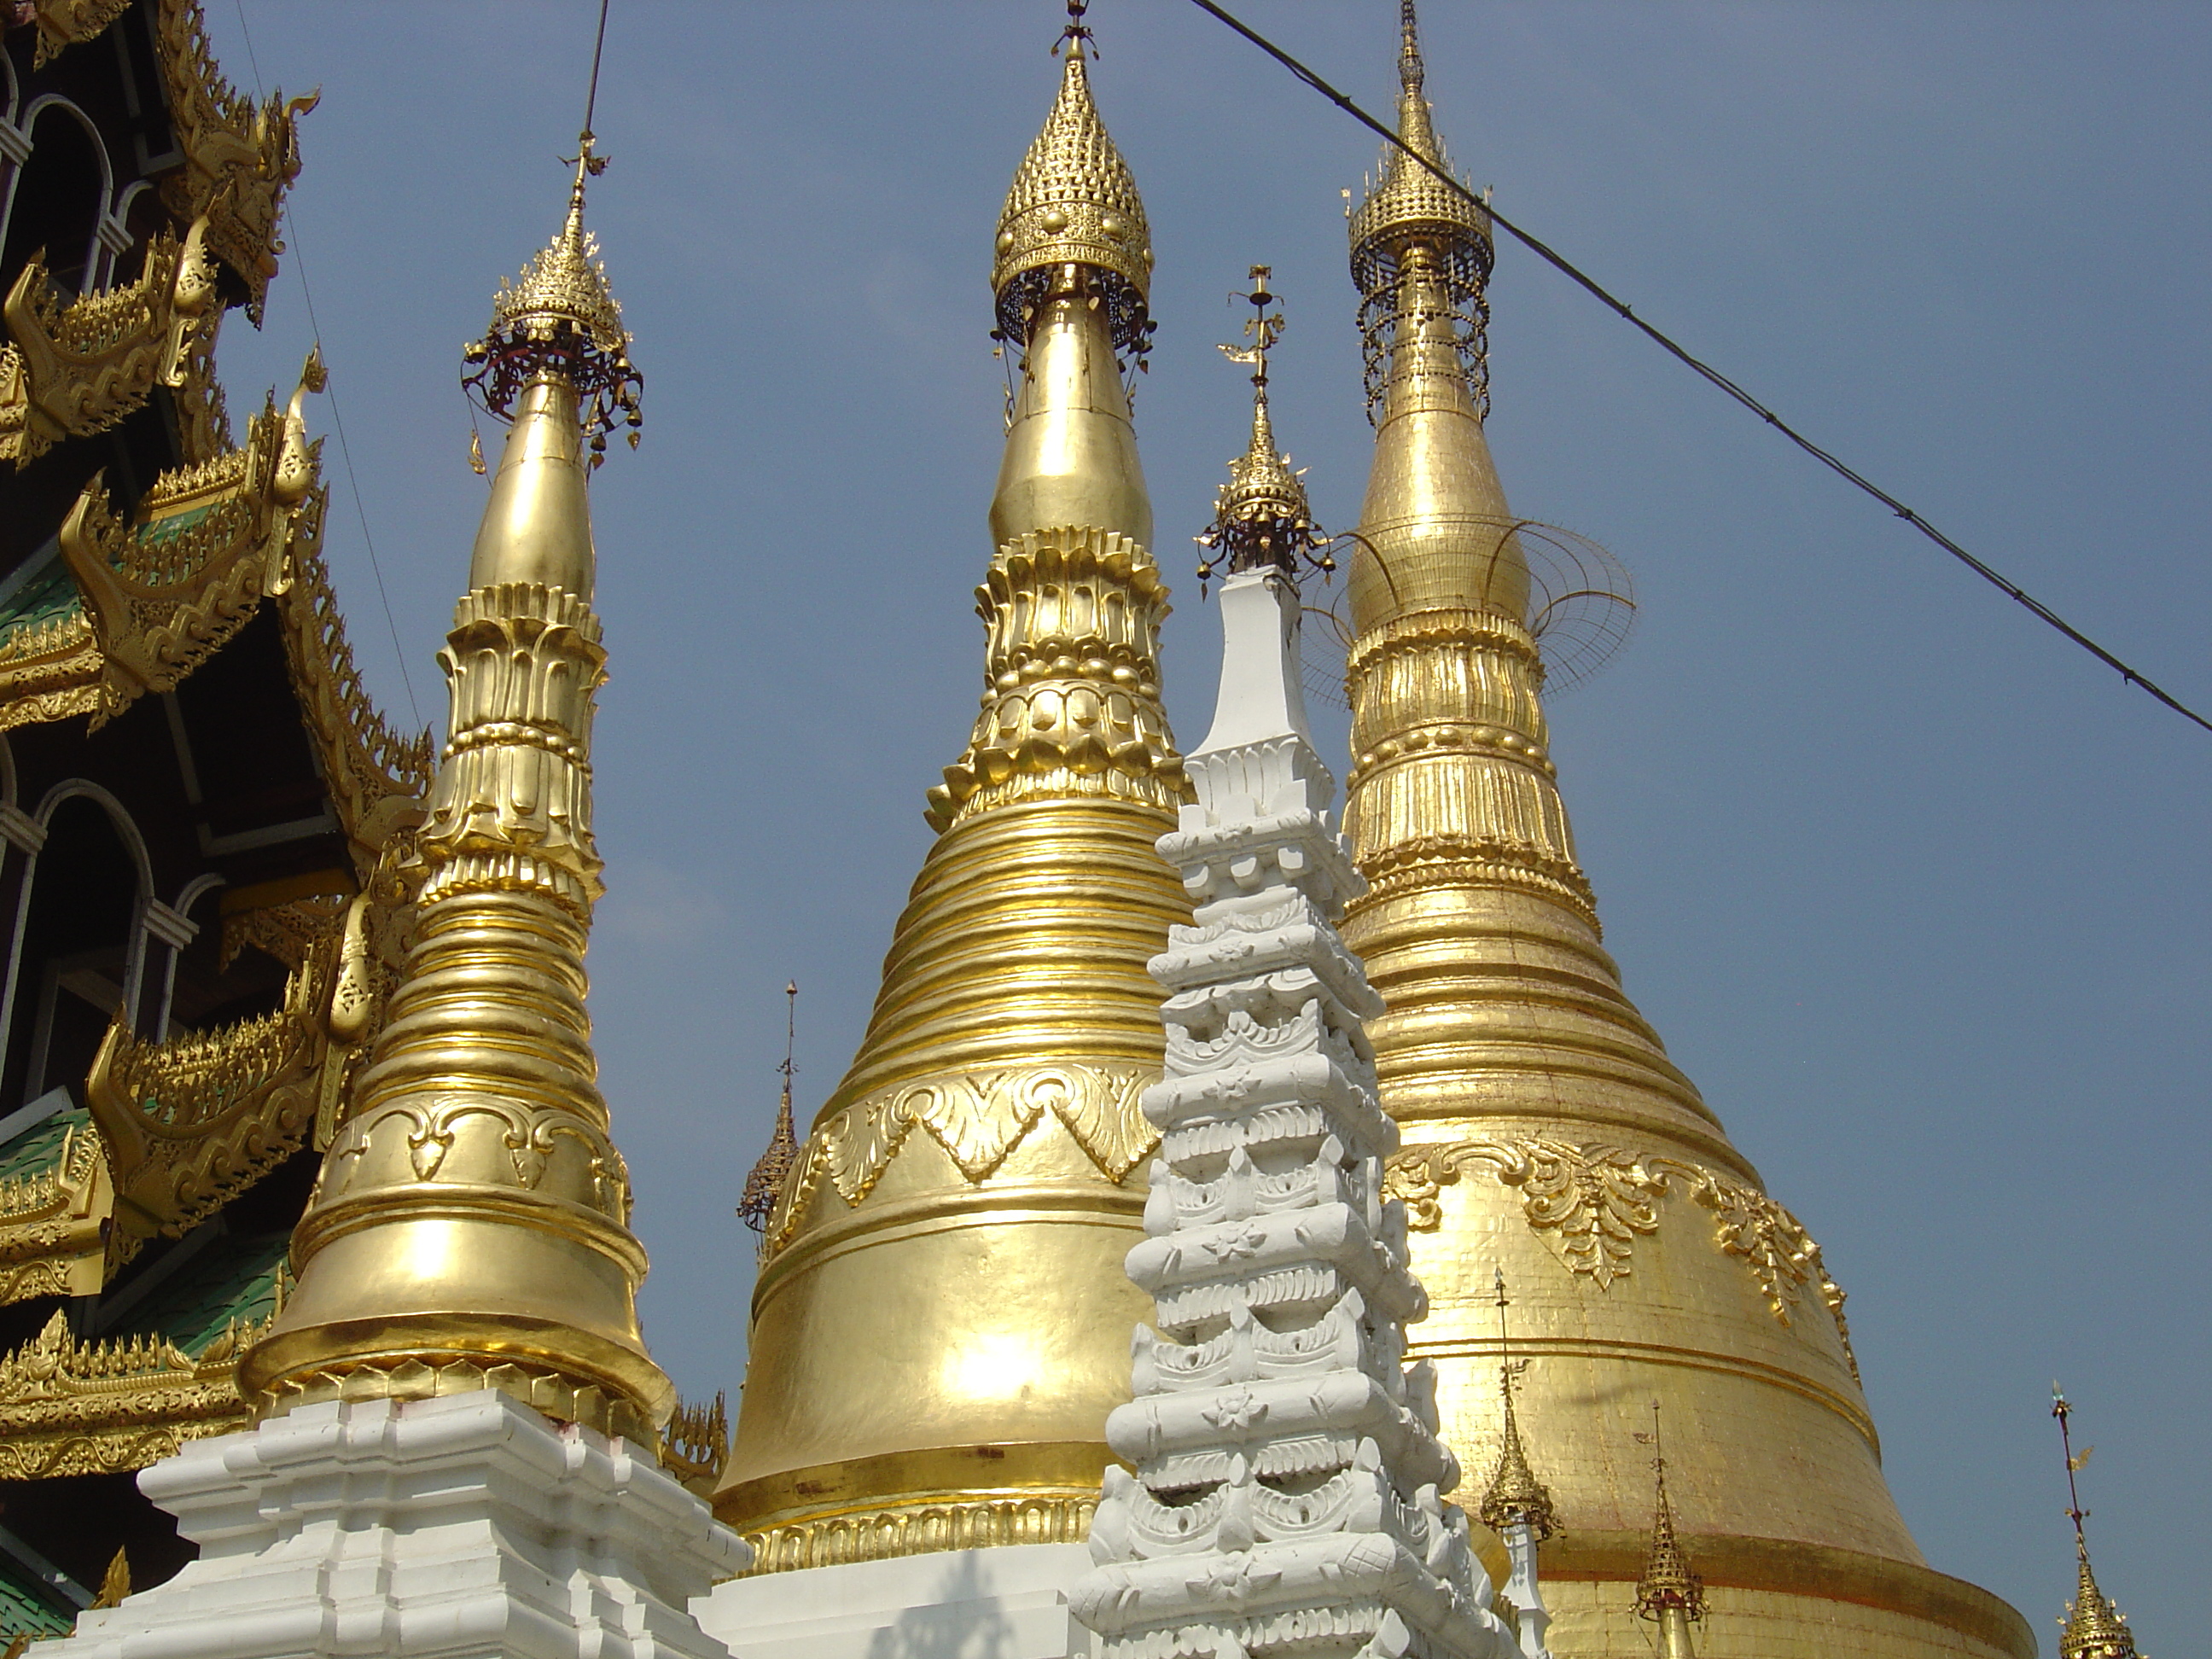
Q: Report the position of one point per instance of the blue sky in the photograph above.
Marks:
(1916, 892)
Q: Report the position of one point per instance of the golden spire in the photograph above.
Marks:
(1515, 1497)
(764, 1185)
(1260, 516)
(1669, 1593)
(1073, 202)
(941, 1320)
(2094, 1628)
(1546, 1128)
(470, 1228)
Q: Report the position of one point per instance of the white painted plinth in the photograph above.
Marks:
(462, 1527)
(1004, 1604)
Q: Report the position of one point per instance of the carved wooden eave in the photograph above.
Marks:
(54, 1219)
(379, 781)
(240, 157)
(192, 1123)
(68, 1407)
(73, 367)
(65, 23)
(156, 596)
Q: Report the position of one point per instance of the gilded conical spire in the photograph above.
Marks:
(2094, 1628)
(1669, 1593)
(1546, 1128)
(1407, 199)
(1514, 1497)
(764, 1183)
(470, 1229)
(1073, 202)
(941, 1320)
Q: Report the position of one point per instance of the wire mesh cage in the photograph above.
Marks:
(1581, 607)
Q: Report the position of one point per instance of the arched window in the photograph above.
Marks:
(79, 944)
(61, 191)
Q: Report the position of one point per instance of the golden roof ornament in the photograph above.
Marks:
(1073, 202)
(1515, 1497)
(764, 1185)
(559, 314)
(1411, 218)
(1669, 1593)
(1260, 516)
(2094, 1628)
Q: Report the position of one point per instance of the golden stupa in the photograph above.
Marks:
(470, 1225)
(1546, 1130)
(941, 1321)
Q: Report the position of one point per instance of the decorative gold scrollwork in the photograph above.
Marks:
(978, 1118)
(1594, 1201)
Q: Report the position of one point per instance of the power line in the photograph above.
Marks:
(338, 414)
(1706, 370)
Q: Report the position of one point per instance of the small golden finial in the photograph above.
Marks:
(115, 1586)
(2093, 1627)
(1515, 1498)
(1077, 35)
(1669, 1593)
(764, 1186)
(1260, 516)
(560, 317)
(1073, 204)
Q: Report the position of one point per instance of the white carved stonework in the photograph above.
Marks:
(464, 1527)
(1287, 1496)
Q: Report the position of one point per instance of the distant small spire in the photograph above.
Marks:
(1670, 1594)
(1515, 1497)
(2094, 1628)
(1260, 516)
(764, 1186)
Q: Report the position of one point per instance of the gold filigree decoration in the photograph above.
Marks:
(65, 23)
(923, 1528)
(190, 1124)
(1594, 1201)
(379, 780)
(165, 591)
(240, 157)
(53, 1222)
(69, 1408)
(696, 1444)
(1072, 704)
(978, 1118)
(76, 366)
(1073, 200)
(288, 932)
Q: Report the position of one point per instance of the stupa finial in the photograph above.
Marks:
(1073, 203)
(1670, 1594)
(2094, 1628)
(1260, 516)
(1514, 1496)
(764, 1185)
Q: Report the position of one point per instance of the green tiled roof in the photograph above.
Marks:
(26, 1607)
(232, 1278)
(40, 1146)
(43, 595)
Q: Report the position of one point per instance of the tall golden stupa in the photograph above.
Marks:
(941, 1321)
(1546, 1131)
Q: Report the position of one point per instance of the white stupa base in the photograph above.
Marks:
(1010, 1602)
(462, 1527)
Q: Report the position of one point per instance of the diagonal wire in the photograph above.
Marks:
(338, 414)
(1706, 370)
